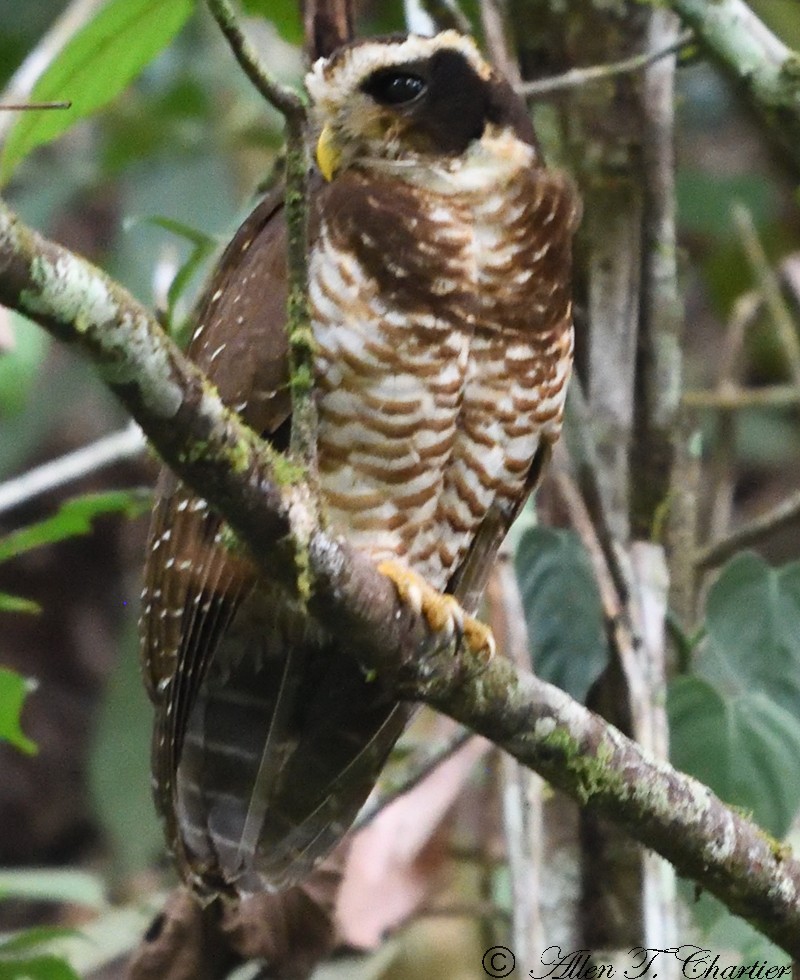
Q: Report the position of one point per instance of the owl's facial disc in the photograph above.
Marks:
(414, 100)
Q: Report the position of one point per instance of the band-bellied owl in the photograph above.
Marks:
(440, 293)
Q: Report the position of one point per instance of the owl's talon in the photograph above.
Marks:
(480, 638)
(443, 613)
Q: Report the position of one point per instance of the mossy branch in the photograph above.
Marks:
(269, 509)
(763, 65)
(298, 316)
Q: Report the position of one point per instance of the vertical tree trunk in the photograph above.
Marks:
(617, 136)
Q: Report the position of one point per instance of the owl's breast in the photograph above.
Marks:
(441, 337)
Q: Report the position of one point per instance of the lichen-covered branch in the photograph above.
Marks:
(258, 494)
(767, 69)
(176, 406)
(298, 317)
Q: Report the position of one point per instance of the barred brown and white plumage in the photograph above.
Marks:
(439, 288)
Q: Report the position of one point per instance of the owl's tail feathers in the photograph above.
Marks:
(277, 760)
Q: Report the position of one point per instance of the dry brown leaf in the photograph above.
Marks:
(394, 862)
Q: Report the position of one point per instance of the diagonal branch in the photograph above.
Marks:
(592, 73)
(106, 451)
(767, 70)
(267, 505)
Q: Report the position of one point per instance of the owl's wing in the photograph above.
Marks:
(268, 737)
(250, 372)
(469, 580)
(193, 584)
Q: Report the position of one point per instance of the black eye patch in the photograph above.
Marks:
(391, 86)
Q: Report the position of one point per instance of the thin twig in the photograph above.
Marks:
(496, 30)
(298, 318)
(465, 910)
(581, 449)
(522, 794)
(744, 314)
(25, 106)
(72, 20)
(593, 73)
(414, 771)
(764, 67)
(784, 513)
(614, 608)
(118, 446)
(446, 14)
(682, 523)
(285, 99)
(770, 288)
(327, 24)
(732, 399)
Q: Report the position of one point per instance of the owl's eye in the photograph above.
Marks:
(392, 87)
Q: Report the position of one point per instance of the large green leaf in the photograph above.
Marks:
(721, 930)
(95, 65)
(203, 247)
(45, 967)
(753, 624)
(13, 691)
(744, 747)
(562, 609)
(25, 955)
(74, 518)
(736, 723)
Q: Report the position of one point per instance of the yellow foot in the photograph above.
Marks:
(443, 613)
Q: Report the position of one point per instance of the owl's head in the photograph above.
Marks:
(411, 104)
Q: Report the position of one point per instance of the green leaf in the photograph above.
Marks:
(18, 366)
(720, 930)
(74, 518)
(735, 724)
(94, 67)
(745, 748)
(37, 936)
(562, 609)
(203, 246)
(13, 691)
(17, 604)
(37, 968)
(284, 14)
(753, 623)
(53, 885)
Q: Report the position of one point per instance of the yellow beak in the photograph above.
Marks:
(329, 155)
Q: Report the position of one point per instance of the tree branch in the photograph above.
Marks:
(782, 515)
(769, 286)
(298, 316)
(111, 449)
(265, 503)
(594, 73)
(764, 66)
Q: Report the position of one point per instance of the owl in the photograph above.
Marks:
(439, 287)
